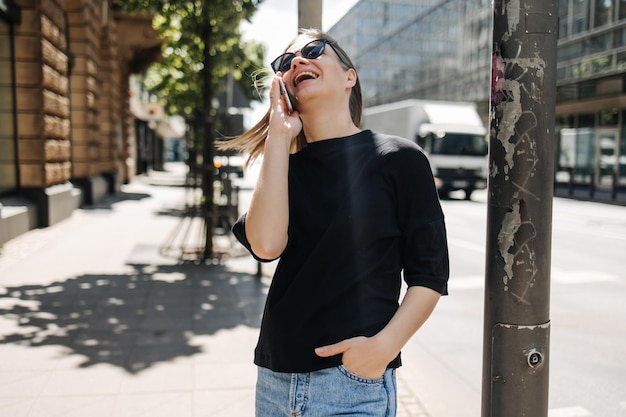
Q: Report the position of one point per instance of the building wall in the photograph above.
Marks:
(591, 98)
(42, 94)
(66, 135)
(8, 163)
(137, 48)
(84, 22)
(109, 118)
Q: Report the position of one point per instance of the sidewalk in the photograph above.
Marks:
(94, 321)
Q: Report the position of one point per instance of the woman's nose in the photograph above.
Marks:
(297, 59)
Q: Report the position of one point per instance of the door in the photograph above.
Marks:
(606, 157)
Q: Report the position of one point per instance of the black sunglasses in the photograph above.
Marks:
(311, 50)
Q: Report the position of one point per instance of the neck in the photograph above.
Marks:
(323, 125)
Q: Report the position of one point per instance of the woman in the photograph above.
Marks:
(348, 212)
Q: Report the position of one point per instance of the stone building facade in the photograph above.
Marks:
(67, 133)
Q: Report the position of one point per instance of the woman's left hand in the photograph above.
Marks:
(369, 356)
(363, 356)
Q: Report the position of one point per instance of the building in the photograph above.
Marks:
(441, 50)
(67, 135)
(430, 49)
(591, 98)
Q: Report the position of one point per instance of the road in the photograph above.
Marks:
(587, 311)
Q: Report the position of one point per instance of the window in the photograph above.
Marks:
(460, 144)
(603, 12)
(564, 23)
(609, 117)
(580, 16)
(622, 9)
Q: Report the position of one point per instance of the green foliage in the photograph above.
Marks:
(186, 24)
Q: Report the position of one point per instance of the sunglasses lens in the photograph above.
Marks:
(283, 62)
(286, 64)
(313, 50)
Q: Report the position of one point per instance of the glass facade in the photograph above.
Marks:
(441, 50)
(427, 49)
(8, 140)
(591, 123)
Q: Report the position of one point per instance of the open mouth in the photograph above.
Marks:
(303, 76)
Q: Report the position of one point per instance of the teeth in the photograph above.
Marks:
(305, 75)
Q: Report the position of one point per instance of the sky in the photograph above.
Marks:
(275, 23)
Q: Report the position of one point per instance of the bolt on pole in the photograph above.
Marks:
(519, 213)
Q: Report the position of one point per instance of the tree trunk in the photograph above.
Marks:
(208, 137)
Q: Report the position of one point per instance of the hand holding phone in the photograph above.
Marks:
(284, 92)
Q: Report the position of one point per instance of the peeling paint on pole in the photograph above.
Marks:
(510, 93)
(512, 15)
(523, 89)
(506, 242)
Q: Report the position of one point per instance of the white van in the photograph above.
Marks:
(451, 133)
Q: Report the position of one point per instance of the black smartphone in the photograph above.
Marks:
(284, 92)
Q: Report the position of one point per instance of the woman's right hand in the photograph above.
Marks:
(267, 221)
(282, 124)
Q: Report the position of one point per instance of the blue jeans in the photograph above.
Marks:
(326, 393)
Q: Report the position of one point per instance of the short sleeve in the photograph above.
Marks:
(425, 247)
(239, 230)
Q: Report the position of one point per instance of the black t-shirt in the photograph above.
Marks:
(363, 210)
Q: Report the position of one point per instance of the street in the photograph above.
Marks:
(588, 286)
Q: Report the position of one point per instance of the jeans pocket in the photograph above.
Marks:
(358, 378)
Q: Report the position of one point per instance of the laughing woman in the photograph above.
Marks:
(350, 213)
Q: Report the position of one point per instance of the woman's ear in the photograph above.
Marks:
(351, 77)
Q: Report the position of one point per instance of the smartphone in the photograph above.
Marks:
(284, 92)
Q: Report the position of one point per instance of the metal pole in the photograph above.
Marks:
(519, 224)
(310, 14)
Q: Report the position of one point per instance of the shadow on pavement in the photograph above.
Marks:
(111, 199)
(133, 320)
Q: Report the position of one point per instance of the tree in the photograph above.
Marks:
(203, 46)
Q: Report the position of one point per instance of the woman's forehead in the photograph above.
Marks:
(299, 43)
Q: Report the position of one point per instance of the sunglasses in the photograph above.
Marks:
(311, 50)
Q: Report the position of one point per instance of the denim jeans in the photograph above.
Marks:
(326, 393)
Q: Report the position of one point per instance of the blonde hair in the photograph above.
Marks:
(252, 142)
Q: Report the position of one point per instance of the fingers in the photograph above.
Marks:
(282, 122)
(357, 356)
(278, 99)
(274, 92)
(332, 350)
